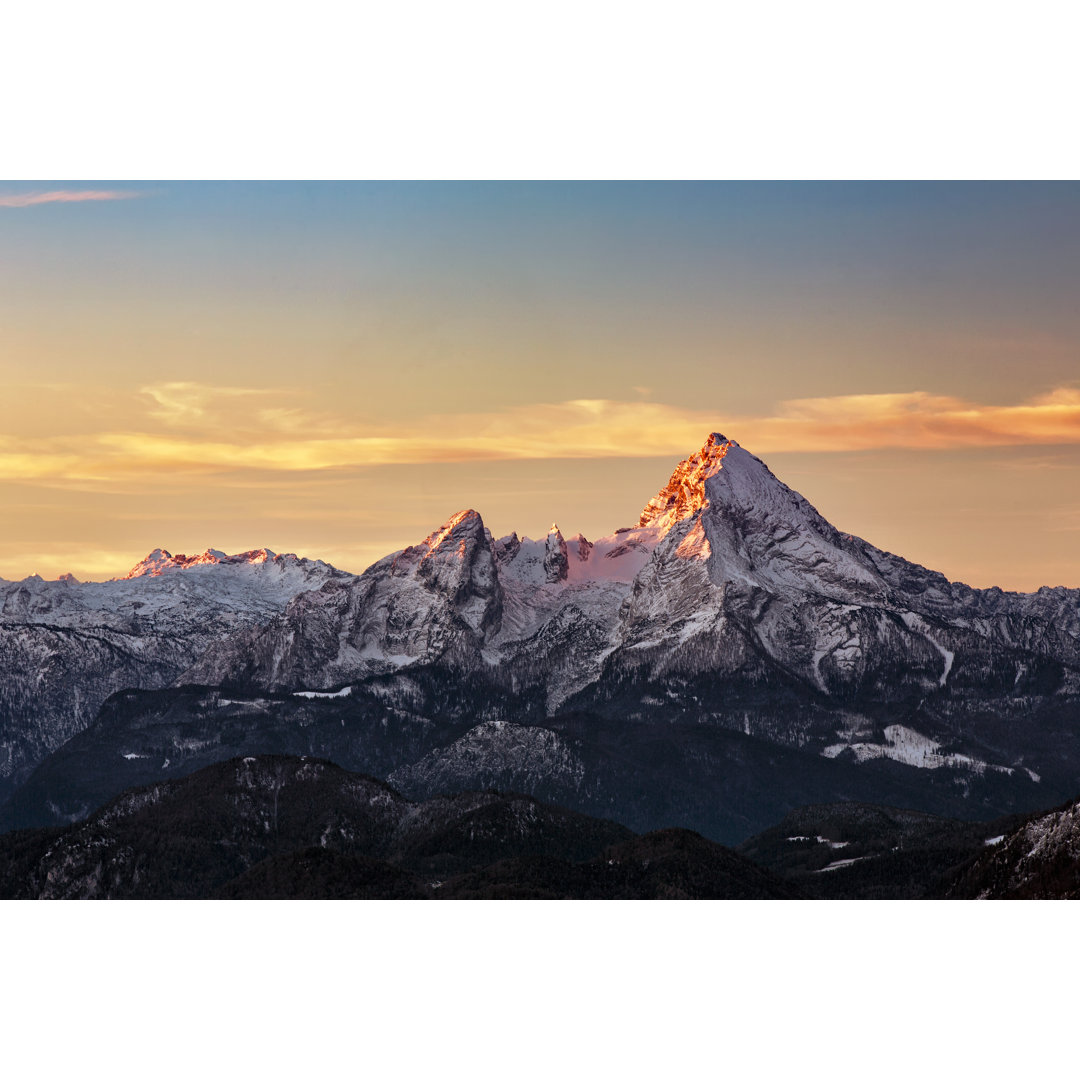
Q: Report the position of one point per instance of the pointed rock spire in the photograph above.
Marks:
(556, 562)
(684, 494)
(584, 547)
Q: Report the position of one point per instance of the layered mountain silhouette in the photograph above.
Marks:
(280, 827)
(727, 659)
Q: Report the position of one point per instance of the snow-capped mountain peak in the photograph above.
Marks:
(160, 561)
(195, 588)
(151, 566)
(762, 533)
(462, 532)
(684, 494)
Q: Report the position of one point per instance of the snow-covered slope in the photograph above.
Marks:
(66, 645)
(163, 588)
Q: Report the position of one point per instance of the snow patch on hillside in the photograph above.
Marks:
(919, 625)
(345, 691)
(909, 747)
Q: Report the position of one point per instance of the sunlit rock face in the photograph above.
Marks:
(160, 561)
(684, 494)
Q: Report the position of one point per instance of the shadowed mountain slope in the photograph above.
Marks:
(278, 827)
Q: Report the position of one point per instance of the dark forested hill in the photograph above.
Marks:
(281, 827)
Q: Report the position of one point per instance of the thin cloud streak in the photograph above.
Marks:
(38, 198)
(190, 403)
(916, 420)
(293, 440)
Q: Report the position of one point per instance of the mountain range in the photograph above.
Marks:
(727, 659)
(66, 645)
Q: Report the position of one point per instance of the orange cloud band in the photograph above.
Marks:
(291, 440)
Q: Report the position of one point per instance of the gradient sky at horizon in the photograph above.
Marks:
(334, 368)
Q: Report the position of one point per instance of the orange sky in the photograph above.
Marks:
(335, 369)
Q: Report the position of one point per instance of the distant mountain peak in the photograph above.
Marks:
(556, 562)
(151, 566)
(160, 561)
(465, 523)
(684, 494)
(453, 542)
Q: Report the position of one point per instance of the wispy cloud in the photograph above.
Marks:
(37, 198)
(187, 403)
(918, 419)
(196, 429)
